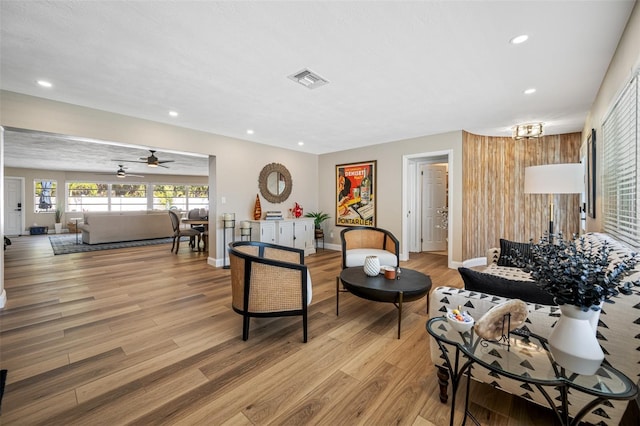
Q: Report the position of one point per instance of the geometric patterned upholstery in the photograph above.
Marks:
(618, 334)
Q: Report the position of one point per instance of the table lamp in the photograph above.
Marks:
(551, 179)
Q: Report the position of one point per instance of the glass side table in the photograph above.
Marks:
(528, 360)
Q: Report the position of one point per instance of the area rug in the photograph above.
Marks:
(66, 244)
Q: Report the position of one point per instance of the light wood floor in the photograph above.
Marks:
(143, 336)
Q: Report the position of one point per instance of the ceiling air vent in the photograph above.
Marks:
(308, 79)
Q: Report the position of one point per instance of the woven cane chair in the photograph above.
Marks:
(360, 241)
(268, 280)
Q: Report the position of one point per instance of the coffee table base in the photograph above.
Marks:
(397, 305)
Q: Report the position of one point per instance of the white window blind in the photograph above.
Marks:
(620, 188)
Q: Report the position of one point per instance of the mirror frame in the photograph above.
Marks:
(262, 182)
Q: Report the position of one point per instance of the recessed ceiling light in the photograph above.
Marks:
(44, 83)
(173, 113)
(519, 39)
(530, 91)
(249, 132)
(300, 143)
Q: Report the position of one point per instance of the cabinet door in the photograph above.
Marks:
(269, 233)
(304, 235)
(263, 231)
(298, 234)
(285, 233)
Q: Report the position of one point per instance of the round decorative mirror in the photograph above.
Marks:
(275, 183)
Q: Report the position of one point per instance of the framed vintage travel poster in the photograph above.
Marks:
(356, 194)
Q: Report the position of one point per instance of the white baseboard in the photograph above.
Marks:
(3, 298)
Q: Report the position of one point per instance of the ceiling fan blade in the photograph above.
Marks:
(166, 161)
(130, 161)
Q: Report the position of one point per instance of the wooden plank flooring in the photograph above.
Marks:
(143, 336)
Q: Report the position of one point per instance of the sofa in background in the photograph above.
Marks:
(358, 242)
(618, 328)
(110, 227)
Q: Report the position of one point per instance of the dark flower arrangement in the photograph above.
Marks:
(576, 273)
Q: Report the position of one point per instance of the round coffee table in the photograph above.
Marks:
(409, 286)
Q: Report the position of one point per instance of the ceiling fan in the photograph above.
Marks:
(151, 161)
(121, 173)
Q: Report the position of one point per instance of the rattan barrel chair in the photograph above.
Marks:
(358, 242)
(268, 280)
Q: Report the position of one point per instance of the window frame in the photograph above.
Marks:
(621, 165)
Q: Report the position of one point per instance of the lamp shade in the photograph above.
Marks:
(554, 179)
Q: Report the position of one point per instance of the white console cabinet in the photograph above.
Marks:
(296, 233)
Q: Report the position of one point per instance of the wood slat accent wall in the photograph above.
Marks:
(494, 203)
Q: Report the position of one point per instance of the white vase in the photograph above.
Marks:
(371, 266)
(573, 341)
(58, 227)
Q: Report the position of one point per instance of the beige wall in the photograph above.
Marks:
(625, 62)
(237, 163)
(389, 157)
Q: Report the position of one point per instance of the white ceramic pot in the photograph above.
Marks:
(573, 341)
(372, 266)
(58, 227)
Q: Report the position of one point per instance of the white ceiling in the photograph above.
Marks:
(48, 151)
(396, 69)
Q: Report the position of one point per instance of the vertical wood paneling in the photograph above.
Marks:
(495, 205)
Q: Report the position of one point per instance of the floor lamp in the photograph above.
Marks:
(554, 179)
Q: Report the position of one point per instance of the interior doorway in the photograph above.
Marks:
(426, 182)
(433, 207)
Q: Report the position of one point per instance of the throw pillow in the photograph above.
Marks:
(512, 249)
(498, 286)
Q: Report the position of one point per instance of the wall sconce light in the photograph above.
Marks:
(527, 131)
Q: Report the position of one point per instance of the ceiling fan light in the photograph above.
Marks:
(152, 165)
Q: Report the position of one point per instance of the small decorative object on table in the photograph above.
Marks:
(460, 320)
(372, 266)
(257, 210)
(502, 319)
(297, 211)
(389, 272)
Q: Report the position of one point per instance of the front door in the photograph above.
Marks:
(13, 204)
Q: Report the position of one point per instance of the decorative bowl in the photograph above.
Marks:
(459, 320)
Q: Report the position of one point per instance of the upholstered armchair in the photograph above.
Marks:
(268, 280)
(360, 241)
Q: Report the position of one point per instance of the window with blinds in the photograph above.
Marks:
(620, 188)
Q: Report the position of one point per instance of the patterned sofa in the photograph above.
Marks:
(618, 332)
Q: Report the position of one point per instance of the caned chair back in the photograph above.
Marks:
(268, 280)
